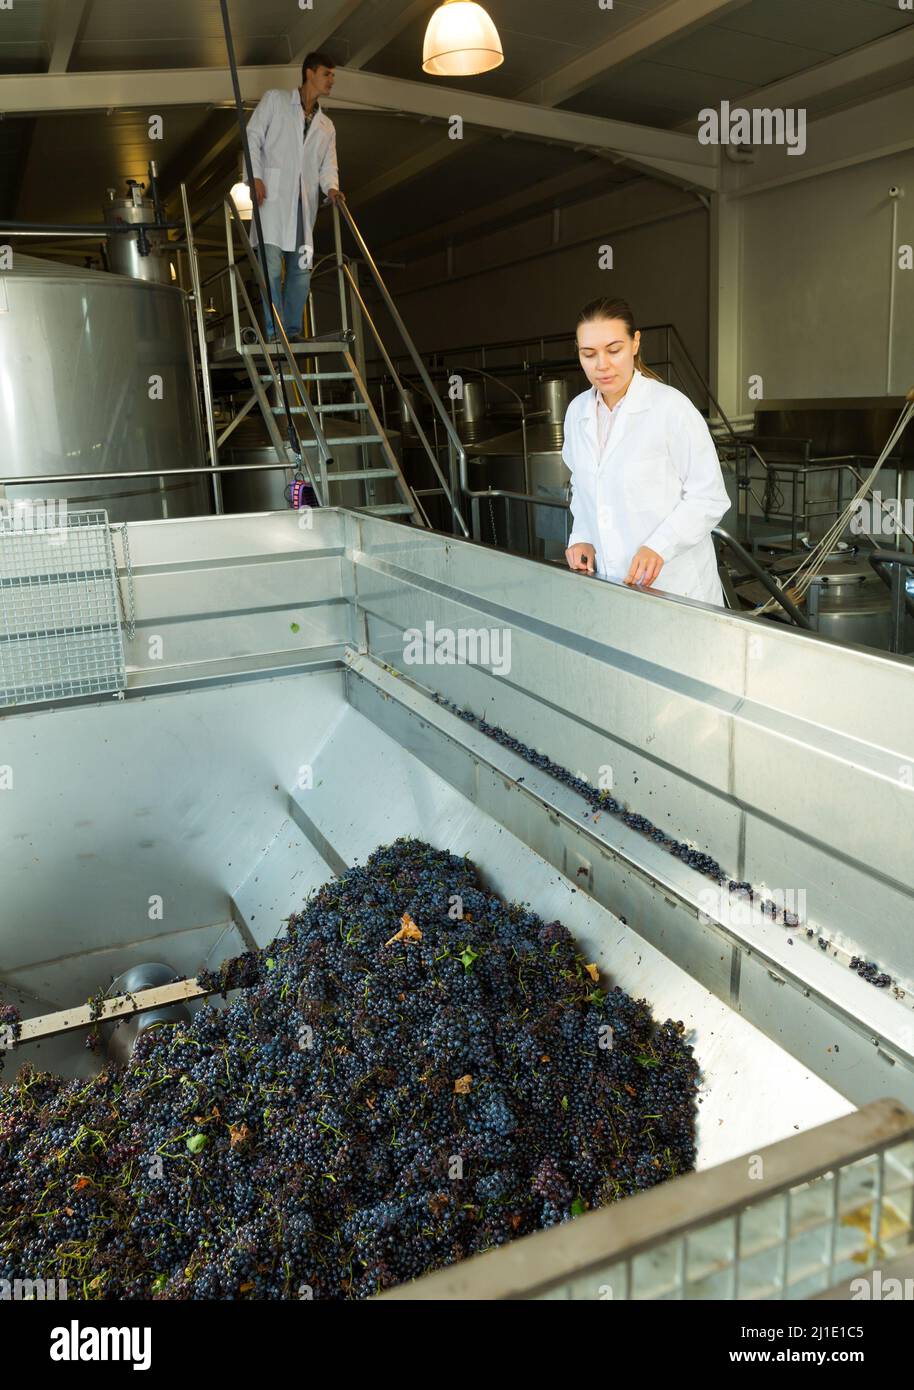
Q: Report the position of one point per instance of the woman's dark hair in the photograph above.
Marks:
(614, 309)
(317, 59)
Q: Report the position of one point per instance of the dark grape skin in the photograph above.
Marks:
(337, 1162)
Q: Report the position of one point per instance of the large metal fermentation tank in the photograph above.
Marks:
(96, 376)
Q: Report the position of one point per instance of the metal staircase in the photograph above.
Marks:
(283, 385)
(325, 476)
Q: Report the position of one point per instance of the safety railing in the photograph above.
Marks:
(346, 277)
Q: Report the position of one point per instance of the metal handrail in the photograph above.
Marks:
(232, 215)
(432, 455)
(410, 345)
(764, 578)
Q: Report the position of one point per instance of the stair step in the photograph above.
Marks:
(312, 376)
(344, 439)
(352, 475)
(302, 410)
(302, 349)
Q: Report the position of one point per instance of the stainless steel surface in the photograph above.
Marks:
(499, 463)
(553, 395)
(282, 640)
(474, 401)
(125, 253)
(121, 1036)
(80, 352)
(851, 604)
(784, 756)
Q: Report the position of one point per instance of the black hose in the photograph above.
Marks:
(261, 246)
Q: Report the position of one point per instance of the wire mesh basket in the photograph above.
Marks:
(60, 608)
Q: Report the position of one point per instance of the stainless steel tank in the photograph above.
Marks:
(96, 376)
(471, 420)
(853, 604)
(499, 463)
(141, 255)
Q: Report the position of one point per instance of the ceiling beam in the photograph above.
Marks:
(69, 17)
(677, 156)
(383, 34)
(635, 41)
(317, 27)
(875, 59)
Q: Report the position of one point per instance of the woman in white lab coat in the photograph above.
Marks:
(647, 488)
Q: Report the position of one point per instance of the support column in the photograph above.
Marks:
(725, 297)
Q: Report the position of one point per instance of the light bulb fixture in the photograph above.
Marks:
(461, 41)
(241, 197)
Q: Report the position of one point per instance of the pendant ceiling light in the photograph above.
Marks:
(461, 41)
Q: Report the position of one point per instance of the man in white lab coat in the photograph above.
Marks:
(293, 154)
(647, 487)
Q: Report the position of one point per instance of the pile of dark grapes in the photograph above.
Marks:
(414, 1072)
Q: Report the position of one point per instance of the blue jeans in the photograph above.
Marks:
(290, 298)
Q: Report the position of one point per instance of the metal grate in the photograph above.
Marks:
(792, 1245)
(60, 625)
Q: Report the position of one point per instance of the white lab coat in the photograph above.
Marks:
(658, 484)
(290, 166)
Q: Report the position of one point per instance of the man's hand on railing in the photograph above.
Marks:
(336, 193)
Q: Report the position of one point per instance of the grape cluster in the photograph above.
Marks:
(695, 858)
(415, 1071)
(868, 970)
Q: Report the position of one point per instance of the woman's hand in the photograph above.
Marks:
(645, 567)
(581, 557)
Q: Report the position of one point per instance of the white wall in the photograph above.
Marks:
(815, 268)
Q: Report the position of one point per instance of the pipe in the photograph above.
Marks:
(83, 229)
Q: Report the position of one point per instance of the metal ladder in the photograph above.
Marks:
(336, 350)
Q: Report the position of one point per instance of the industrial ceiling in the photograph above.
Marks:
(70, 132)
